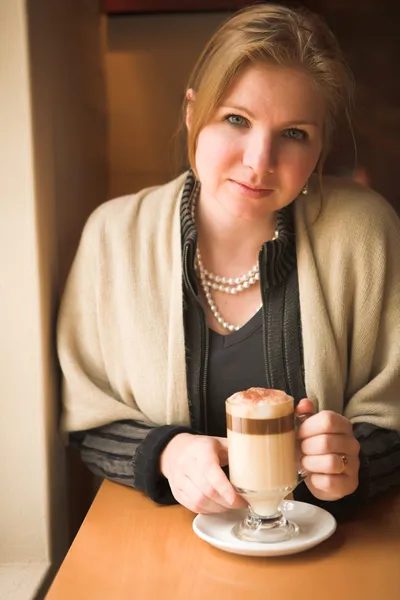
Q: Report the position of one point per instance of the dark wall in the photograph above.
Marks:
(368, 32)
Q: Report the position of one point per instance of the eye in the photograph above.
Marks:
(296, 134)
(236, 120)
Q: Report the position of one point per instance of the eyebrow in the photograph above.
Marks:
(250, 114)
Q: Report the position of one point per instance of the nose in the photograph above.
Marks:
(260, 153)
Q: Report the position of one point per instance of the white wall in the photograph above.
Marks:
(23, 468)
(52, 173)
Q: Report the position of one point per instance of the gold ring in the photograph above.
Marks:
(345, 462)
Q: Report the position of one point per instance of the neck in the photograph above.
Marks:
(230, 245)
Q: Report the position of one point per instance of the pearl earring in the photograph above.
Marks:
(304, 191)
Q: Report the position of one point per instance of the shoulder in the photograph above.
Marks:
(146, 208)
(339, 207)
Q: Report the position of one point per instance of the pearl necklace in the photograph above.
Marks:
(217, 282)
(229, 285)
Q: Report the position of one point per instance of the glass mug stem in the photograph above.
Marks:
(262, 450)
(274, 528)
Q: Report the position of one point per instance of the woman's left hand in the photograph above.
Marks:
(330, 453)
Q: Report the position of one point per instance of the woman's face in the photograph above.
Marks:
(262, 143)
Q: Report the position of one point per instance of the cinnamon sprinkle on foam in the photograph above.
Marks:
(260, 396)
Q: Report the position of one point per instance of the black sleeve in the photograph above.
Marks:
(128, 452)
(379, 471)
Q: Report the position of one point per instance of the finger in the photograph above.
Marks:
(196, 500)
(331, 444)
(326, 421)
(222, 451)
(188, 503)
(205, 486)
(208, 463)
(330, 464)
(331, 487)
(223, 441)
(305, 406)
(223, 486)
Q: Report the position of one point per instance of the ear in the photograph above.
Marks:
(190, 98)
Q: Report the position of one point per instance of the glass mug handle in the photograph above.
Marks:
(299, 419)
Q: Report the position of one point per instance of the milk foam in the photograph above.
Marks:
(260, 403)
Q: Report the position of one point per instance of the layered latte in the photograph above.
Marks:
(261, 446)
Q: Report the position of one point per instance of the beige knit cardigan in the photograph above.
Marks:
(121, 336)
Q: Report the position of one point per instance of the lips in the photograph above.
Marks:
(251, 187)
(251, 190)
(255, 189)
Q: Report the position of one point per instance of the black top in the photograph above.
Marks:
(236, 362)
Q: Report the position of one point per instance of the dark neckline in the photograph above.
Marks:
(235, 337)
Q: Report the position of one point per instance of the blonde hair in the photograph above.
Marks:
(295, 38)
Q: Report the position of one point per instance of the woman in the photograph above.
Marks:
(249, 270)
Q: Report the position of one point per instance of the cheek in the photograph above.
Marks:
(214, 150)
(203, 150)
(300, 163)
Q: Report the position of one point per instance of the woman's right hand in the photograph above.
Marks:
(192, 464)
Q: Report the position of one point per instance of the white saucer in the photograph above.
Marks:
(315, 524)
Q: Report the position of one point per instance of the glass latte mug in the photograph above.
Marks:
(261, 426)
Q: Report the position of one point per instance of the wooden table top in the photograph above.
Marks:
(128, 547)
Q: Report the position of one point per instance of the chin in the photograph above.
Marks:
(250, 213)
